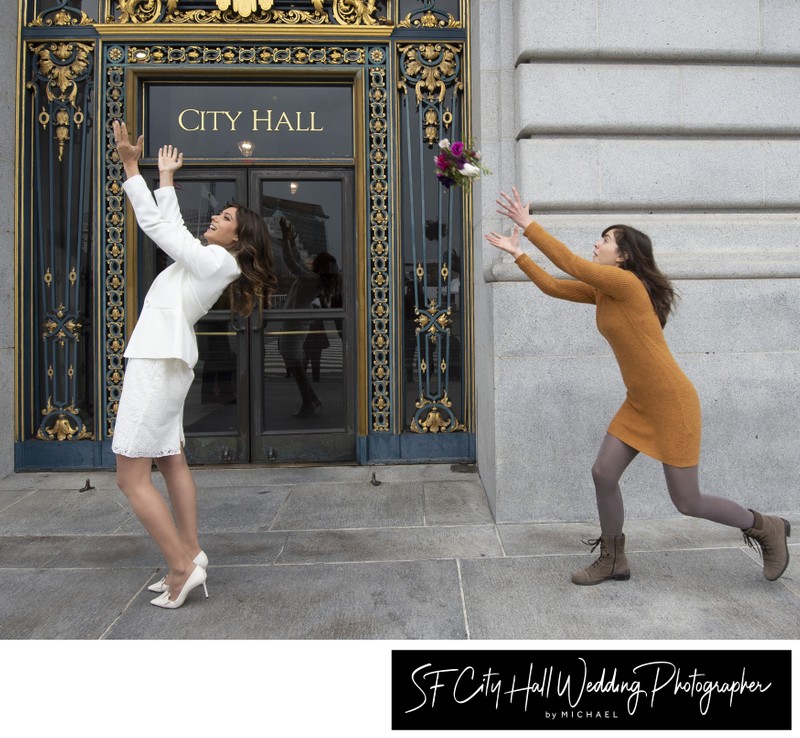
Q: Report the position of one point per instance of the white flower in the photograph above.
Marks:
(470, 170)
(444, 144)
(477, 155)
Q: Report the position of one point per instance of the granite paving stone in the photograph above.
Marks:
(241, 548)
(108, 551)
(698, 595)
(226, 509)
(53, 512)
(456, 503)
(9, 497)
(61, 480)
(351, 506)
(391, 544)
(395, 600)
(30, 551)
(326, 553)
(64, 603)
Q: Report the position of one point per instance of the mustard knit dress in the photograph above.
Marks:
(661, 413)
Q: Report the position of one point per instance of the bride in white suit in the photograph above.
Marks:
(162, 351)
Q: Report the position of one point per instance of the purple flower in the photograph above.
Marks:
(441, 162)
(457, 148)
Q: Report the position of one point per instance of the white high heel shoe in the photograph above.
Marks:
(196, 578)
(160, 586)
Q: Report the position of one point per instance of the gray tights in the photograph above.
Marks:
(683, 485)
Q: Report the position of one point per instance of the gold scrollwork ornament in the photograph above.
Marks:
(434, 422)
(61, 63)
(63, 17)
(430, 65)
(355, 12)
(61, 429)
(143, 11)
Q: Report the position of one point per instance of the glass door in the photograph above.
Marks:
(302, 362)
(279, 385)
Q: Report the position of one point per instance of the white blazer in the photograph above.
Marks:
(186, 290)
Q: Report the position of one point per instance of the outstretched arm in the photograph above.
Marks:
(611, 280)
(170, 160)
(565, 289)
(171, 237)
(290, 255)
(509, 244)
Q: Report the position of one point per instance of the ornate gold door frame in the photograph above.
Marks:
(409, 59)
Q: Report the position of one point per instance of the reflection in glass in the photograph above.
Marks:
(212, 405)
(305, 228)
(305, 223)
(319, 357)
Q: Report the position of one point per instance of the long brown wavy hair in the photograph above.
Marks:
(253, 252)
(637, 249)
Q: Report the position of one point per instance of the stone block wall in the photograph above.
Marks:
(8, 61)
(680, 118)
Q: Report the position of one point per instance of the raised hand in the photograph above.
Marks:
(129, 154)
(509, 244)
(169, 159)
(288, 231)
(513, 208)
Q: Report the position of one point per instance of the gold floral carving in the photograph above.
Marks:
(355, 12)
(62, 429)
(429, 20)
(344, 12)
(61, 63)
(431, 68)
(429, 64)
(144, 11)
(63, 17)
(244, 7)
(434, 422)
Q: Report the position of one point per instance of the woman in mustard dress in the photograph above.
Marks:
(660, 416)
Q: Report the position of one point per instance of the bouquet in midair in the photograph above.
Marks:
(458, 164)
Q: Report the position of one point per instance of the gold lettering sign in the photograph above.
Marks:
(210, 120)
(194, 120)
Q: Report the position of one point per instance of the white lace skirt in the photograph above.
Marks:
(150, 415)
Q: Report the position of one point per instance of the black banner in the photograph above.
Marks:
(591, 690)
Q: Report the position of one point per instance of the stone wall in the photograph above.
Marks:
(680, 118)
(8, 62)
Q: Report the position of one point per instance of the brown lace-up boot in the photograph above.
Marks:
(769, 533)
(612, 563)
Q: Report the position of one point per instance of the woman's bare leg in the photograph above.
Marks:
(183, 498)
(133, 478)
